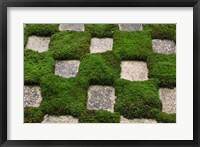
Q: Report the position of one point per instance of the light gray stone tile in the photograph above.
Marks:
(39, 44)
(101, 45)
(67, 68)
(101, 97)
(59, 119)
(134, 70)
(32, 96)
(168, 98)
(163, 46)
(130, 27)
(72, 27)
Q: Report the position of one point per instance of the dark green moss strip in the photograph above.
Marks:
(63, 96)
(99, 116)
(41, 29)
(162, 31)
(33, 115)
(163, 117)
(101, 30)
(137, 99)
(36, 66)
(69, 44)
(163, 67)
(132, 45)
(101, 68)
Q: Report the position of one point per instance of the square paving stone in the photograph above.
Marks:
(67, 68)
(73, 27)
(134, 70)
(163, 46)
(59, 119)
(101, 45)
(168, 98)
(39, 44)
(32, 96)
(142, 120)
(101, 97)
(130, 27)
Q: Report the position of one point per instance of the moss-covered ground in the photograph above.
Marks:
(68, 96)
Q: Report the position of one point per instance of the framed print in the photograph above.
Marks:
(114, 73)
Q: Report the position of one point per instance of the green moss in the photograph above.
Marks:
(41, 29)
(32, 115)
(163, 117)
(99, 116)
(163, 67)
(101, 68)
(162, 31)
(132, 45)
(69, 44)
(137, 99)
(37, 65)
(64, 96)
(101, 30)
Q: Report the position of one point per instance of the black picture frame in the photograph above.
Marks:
(4, 4)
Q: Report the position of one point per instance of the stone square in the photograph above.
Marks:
(36, 43)
(101, 97)
(59, 119)
(130, 27)
(163, 46)
(67, 68)
(136, 120)
(72, 27)
(168, 98)
(134, 70)
(99, 45)
(32, 96)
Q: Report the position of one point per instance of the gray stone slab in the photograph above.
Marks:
(67, 68)
(72, 27)
(163, 46)
(59, 119)
(39, 44)
(134, 70)
(32, 96)
(101, 97)
(101, 45)
(168, 98)
(142, 120)
(130, 27)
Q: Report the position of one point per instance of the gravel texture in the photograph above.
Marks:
(59, 119)
(124, 120)
(130, 27)
(32, 96)
(101, 97)
(163, 46)
(168, 98)
(39, 44)
(67, 68)
(73, 27)
(101, 45)
(134, 70)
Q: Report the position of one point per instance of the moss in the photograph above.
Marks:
(32, 115)
(99, 116)
(41, 29)
(163, 117)
(101, 68)
(64, 96)
(69, 44)
(137, 99)
(162, 31)
(37, 65)
(163, 67)
(132, 45)
(101, 30)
